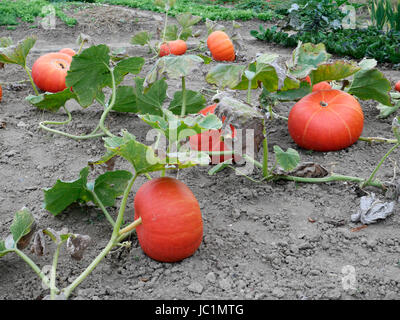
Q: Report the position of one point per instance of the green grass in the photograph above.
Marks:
(12, 13)
(204, 9)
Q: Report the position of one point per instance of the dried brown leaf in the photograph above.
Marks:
(76, 245)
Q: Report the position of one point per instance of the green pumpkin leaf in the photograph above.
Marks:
(371, 84)
(386, 111)
(367, 64)
(63, 194)
(132, 65)
(51, 101)
(141, 38)
(171, 32)
(111, 185)
(337, 70)
(22, 224)
(150, 101)
(187, 19)
(288, 160)
(125, 100)
(174, 67)
(226, 75)
(89, 73)
(176, 128)
(307, 57)
(17, 54)
(195, 101)
(107, 187)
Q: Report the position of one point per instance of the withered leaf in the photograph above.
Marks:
(310, 170)
(246, 119)
(39, 244)
(306, 170)
(76, 245)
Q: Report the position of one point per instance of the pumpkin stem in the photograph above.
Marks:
(132, 226)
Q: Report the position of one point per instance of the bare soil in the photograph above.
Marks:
(280, 240)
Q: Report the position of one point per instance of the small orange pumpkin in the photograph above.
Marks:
(211, 140)
(324, 85)
(221, 46)
(68, 51)
(326, 120)
(176, 47)
(397, 86)
(50, 70)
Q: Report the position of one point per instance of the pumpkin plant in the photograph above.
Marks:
(164, 233)
(173, 36)
(287, 82)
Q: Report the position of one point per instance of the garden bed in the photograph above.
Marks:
(276, 240)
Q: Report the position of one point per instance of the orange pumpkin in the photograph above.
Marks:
(324, 85)
(50, 70)
(176, 47)
(68, 51)
(326, 120)
(397, 86)
(221, 46)
(211, 140)
(172, 226)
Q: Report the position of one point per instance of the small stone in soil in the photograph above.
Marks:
(195, 287)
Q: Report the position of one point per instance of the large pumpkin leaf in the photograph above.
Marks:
(307, 57)
(51, 101)
(174, 67)
(107, 187)
(226, 75)
(371, 84)
(89, 73)
(337, 70)
(195, 101)
(131, 65)
(176, 128)
(125, 100)
(141, 38)
(144, 159)
(16, 54)
(150, 100)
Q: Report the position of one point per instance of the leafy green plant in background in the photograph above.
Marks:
(357, 43)
(12, 12)
(385, 14)
(211, 11)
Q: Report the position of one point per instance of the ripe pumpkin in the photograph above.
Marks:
(50, 70)
(326, 120)
(324, 85)
(211, 140)
(221, 46)
(68, 51)
(172, 226)
(397, 86)
(1, 92)
(176, 47)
